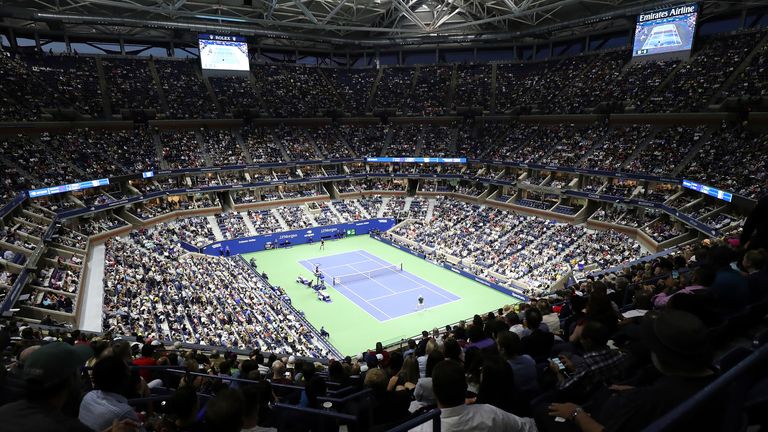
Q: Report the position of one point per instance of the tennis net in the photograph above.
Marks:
(369, 274)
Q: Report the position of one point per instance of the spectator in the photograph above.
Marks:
(523, 365)
(754, 234)
(496, 380)
(755, 263)
(538, 341)
(52, 377)
(407, 377)
(225, 412)
(450, 390)
(387, 408)
(182, 408)
(147, 359)
(423, 392)
(730, 287)
(421, 355)
(278, 373)
(600, 364)
(107, 402)
(253, 408)
(411, 348)
(681, 353)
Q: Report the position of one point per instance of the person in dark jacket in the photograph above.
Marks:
(754, 234)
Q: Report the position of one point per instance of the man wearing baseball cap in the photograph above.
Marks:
(51, 374)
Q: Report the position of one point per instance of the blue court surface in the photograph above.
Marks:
(385, 294)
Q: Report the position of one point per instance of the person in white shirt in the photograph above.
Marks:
(107, 403)
(450, 387)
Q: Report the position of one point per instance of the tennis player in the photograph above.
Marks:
(322, 244)
(420, 302)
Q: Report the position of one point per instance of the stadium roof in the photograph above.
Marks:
(337, 22)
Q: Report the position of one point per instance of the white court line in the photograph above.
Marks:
(366, 302)
(425, 309)
(411, 279)
(396, 293)
(341, 265)
(371, 279)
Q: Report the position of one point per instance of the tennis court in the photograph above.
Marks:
(381, 288)
(349, 317)
(663, 36)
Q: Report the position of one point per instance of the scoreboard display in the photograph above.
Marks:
(708, 190)
(665, 31)
(220, 52)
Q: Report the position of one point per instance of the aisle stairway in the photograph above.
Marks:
(363, 212)
(248, 224)
(383, 206)
(430, 209)
(215, 228)
(280, 219)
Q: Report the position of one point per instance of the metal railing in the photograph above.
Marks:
(433, 416)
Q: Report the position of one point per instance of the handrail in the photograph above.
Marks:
(433, 415)
(175, 370)
(739, 372)
(160, 398)
(347, 398)
(319, 412)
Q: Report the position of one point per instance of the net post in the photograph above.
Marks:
(401, 266)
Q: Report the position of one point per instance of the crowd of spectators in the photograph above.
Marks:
(101, 223)
(576, 96)
(438, 141)
(694, 84)
(235, 93)
(496, 243)
(193, 230)
(567, 84)
(536, 84)
(329, 143)
(431, 91)
(150, 289)
(535, 143)
(295, 91)
(666, 150)
(232, 225)
(615, 147)
(394, 88)
(354, 87)
(615, 351)
(62, 81)
(181, 149)
(296, 143)
(261, 144)
(637, 82)
(40, 162)
(222, 147)
(365, 141)
(663, 229)
(184, 90)
(752, 80)
(296, 217)
(131, 84)
(733, 159)
(263, 221)
(473, 86)
(36, 161)
(406, 139)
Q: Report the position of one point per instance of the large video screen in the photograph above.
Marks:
(665, 30)
(218, 52)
